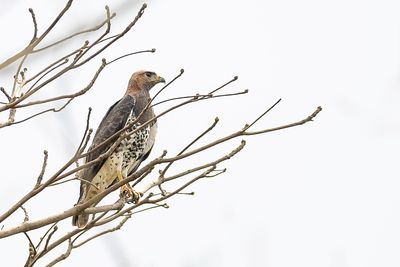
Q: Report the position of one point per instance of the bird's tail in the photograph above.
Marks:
(80, 220)
(90, 191)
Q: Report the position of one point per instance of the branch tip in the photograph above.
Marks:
(153, 50)
(182, 71)
(315, 113)
(235, 78)
(5, 93)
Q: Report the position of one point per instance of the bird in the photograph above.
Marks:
(132, 149)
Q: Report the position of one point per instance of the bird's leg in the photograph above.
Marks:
(127, 191)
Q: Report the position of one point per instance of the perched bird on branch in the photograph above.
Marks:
(131, 151)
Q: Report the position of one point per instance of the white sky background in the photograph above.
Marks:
(324, 194)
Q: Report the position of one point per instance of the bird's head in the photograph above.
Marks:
(143, 80)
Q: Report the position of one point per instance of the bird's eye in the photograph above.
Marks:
(149, 74)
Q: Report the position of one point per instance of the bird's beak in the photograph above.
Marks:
(160, 79)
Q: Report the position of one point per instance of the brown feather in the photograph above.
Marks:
(135, 99)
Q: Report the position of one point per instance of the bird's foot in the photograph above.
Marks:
(130, 195)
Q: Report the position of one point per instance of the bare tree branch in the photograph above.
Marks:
(79, 208)
(93, 29)
(54, 234)
(62, 256)
(31, 46)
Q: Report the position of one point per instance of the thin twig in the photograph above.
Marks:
(217, 172)
(44, 111)
(35, 28)
(32, 250)
(74, 179)
(207, 165)
(224, 85)
(45, 234)
(95, 28)
(53, 66)
(133, 53)
(263, 114)
(68, 236)
(85, 133)
(5, 93)
(216, 120)
(26, 216)
(162, 173)
(43, 169)
(308, 119)
(116, 228)
(201, 96)
(69, 96)
(83, 52)
(62, 256)
(55, 228)
(127, 29)
(30, 47)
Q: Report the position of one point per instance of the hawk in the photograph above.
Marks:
(131, 151)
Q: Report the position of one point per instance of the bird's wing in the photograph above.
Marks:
(114, 120)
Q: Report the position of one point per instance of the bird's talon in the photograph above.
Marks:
(130, 195)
